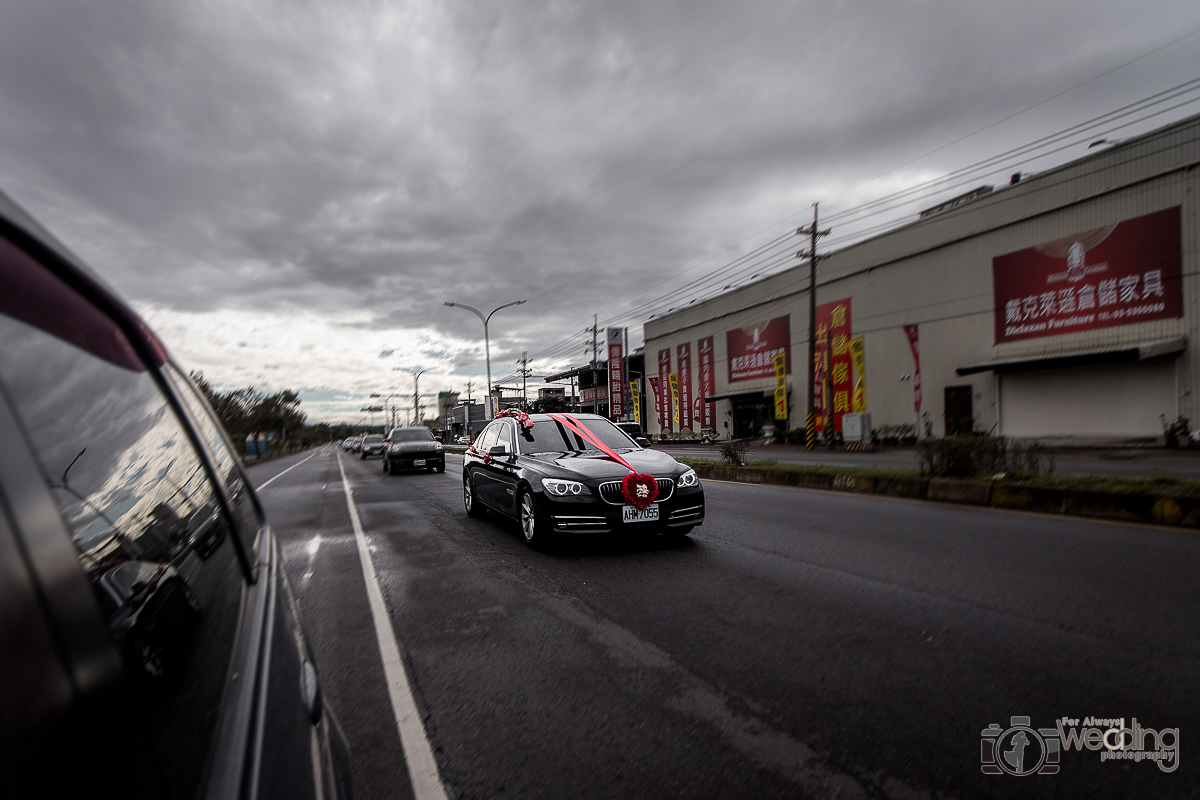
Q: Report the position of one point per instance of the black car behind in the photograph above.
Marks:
(555, 482)
(413, 448)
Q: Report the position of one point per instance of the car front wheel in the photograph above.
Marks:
(532, 530)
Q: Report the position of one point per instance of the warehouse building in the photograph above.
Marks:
(1062, 305)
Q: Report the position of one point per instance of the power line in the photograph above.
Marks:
(769, 256)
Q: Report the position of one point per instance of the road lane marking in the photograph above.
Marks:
(280, 475)
(422, 768)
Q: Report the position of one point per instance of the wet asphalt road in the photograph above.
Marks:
(800, 643)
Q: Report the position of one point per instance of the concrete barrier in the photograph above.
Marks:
(1029, 498)
(950, 490)
(1151, 508)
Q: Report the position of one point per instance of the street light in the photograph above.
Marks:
(487, 349)
(417, 396)
(386, 398)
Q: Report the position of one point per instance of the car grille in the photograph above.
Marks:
(611, 491)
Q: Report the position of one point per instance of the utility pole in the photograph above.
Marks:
(595, 361)
(467, 412)
(525, 372)
(810, 430)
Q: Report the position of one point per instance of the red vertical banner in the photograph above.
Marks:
(658, 404)
(833, 330)
(708, 383)
(664, 381)
(616, 373)
(684, 354)
(911, 332)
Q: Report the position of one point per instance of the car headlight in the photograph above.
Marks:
(563, 488)
(437, 445)
(689, 478)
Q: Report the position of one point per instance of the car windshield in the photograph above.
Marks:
(373, 440)
(412, 436)
(553, 437)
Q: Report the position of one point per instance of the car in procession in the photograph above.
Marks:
(151, 638)
(372, 445)
(413, 448)
(565, 474)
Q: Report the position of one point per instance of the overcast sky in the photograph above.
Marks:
(289, 190)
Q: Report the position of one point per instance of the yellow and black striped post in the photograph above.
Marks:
(810, 432)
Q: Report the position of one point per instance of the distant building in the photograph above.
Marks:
(1062, 305)
(446, 403)
(467, 419)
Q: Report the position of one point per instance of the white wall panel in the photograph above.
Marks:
(1121, 400)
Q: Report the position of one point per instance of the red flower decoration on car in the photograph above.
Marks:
(639, 490)
(520, 416)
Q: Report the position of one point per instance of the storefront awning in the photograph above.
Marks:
(1119, 355)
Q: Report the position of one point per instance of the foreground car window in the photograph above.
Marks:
(148, 532)
(412, 436)
(247, 520)
(551, 437)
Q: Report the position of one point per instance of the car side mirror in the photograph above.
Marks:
(497, 450)
(642, 441)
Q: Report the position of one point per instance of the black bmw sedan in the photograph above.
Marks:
(557, 479)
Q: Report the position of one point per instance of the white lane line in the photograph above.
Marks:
(280, 475)
(422, 768)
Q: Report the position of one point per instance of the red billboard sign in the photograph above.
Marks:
(1116, 275)
(616, 373)
(749, 350)
(664, 382)
(684, 354)
(833, 338)
(708, 383)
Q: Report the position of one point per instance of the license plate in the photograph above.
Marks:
(420, 462)
(633, 514)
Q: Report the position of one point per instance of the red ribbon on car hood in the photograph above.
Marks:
(640, 490)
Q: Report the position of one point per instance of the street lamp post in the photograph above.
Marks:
(417, 396)
(487, 349)
(386, 398)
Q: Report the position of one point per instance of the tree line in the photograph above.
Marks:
(248, 411)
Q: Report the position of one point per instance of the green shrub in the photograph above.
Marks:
(981, 456)
(962, 456)
(734, 452)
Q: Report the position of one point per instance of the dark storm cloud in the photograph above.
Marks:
(388, 157)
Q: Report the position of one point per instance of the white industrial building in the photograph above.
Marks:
(1062, 305)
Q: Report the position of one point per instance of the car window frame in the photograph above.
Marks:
(506, 436)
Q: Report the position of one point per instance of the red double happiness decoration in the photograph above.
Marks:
(639, 490)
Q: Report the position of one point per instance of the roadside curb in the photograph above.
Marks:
(1156, 509)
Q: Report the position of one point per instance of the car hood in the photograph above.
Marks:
(597, 466)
